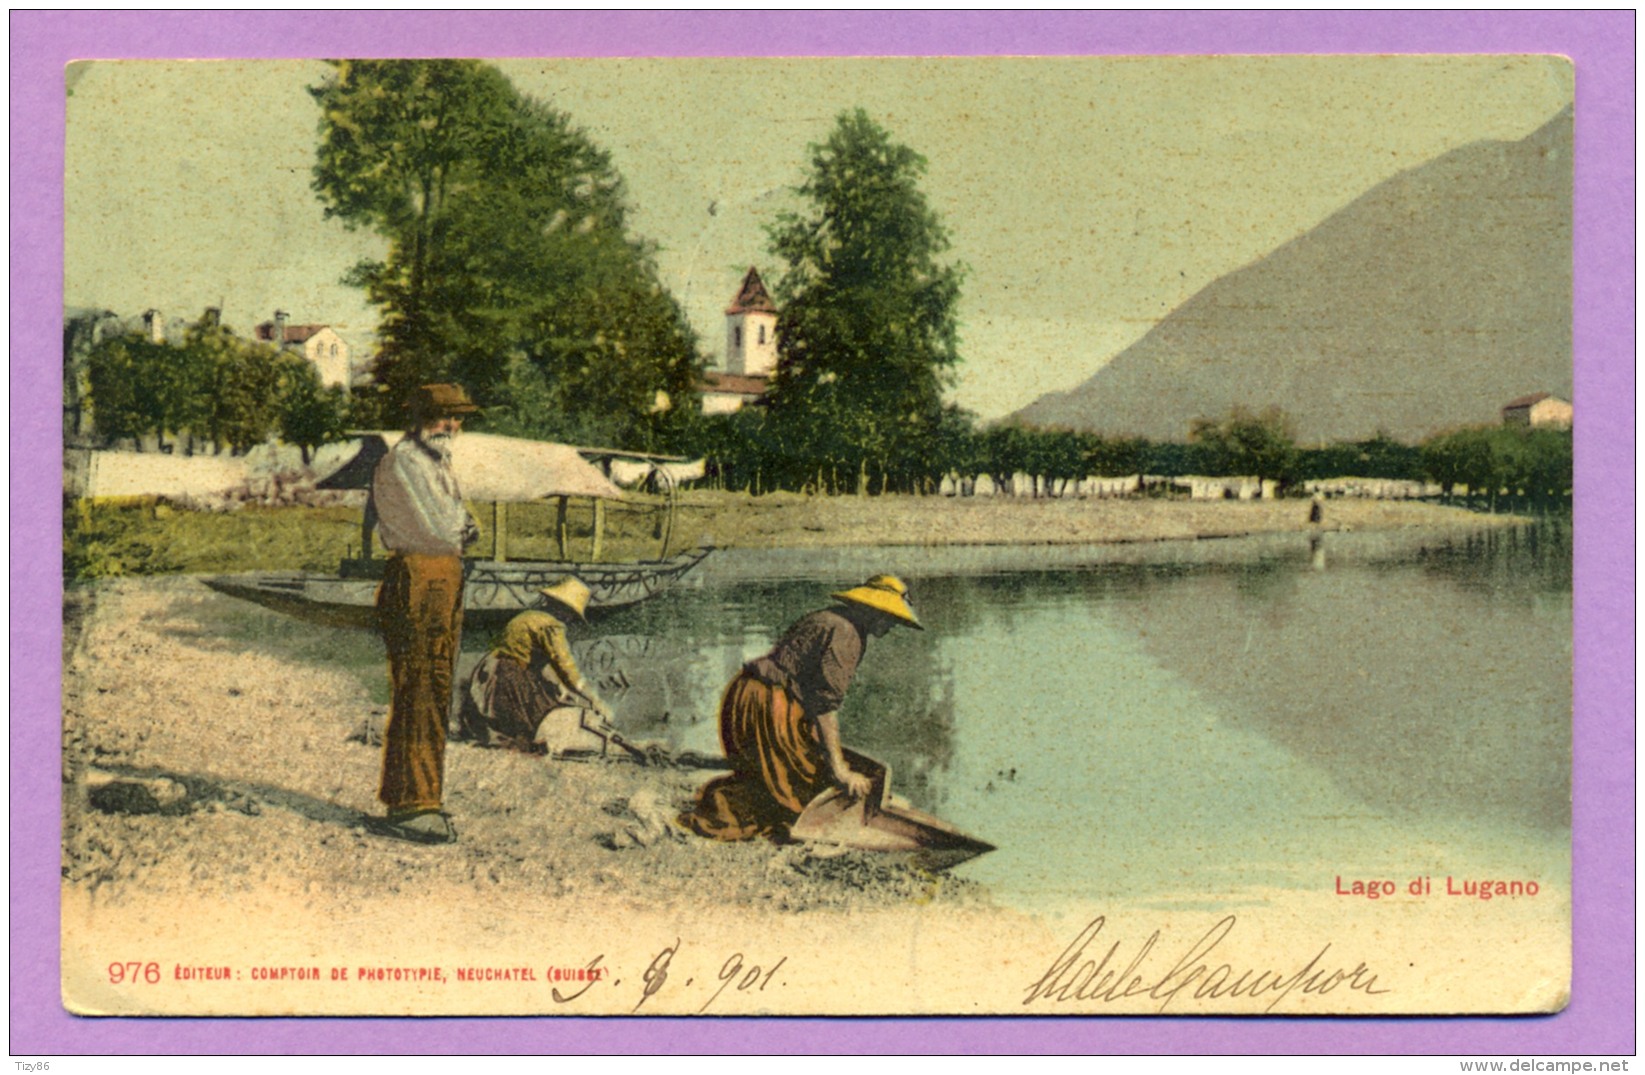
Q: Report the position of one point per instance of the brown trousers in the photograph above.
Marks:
(777, 761)
(420, 613)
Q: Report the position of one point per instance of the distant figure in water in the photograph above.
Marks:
(779, 722)
(1316, 510)
(529, 677)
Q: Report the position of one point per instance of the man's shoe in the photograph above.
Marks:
(430, 828)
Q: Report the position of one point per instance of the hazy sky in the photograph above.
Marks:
(1088, 196)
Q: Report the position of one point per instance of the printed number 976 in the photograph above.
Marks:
(133, 971)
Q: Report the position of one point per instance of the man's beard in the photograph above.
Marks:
(439, 444)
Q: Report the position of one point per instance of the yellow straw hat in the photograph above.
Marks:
(883, 593)
(569, 592)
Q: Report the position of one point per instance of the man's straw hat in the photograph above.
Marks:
(570, 593)
(883, 593)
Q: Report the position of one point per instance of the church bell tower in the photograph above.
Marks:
(751, 330)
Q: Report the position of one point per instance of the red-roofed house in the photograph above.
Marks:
(750, 350)
(1537, 409)
(726, 393)
(317, 343)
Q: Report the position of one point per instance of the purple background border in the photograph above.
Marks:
(1600, 1018)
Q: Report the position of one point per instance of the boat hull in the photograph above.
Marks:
(884, 824)
(492, 590)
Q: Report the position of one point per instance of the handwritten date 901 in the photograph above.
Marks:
(735, 974)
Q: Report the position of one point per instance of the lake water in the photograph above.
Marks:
(1183, 722)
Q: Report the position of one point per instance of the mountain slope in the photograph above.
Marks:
(1428, 302)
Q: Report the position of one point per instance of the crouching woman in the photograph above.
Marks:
(778, 719)
(528, 685)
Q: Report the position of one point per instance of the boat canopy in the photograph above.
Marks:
(488, 466)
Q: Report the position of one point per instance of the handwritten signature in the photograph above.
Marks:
(1073, 976)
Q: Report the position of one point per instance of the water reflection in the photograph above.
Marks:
(1439, 690)
(1513, 563)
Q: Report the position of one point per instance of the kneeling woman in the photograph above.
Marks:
(530, 675)
(778, 719)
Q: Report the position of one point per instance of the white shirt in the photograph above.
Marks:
(418, 506)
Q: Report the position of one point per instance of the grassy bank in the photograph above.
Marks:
(144, 538)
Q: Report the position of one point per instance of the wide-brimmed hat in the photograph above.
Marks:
(440, 401)
(883, 593)
(569, 593)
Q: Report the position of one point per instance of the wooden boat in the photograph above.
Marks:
(493, 591)
(884, 823)
(495, 469)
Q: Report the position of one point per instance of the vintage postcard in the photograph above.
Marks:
(940, 536)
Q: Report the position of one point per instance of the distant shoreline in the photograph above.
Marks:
(114, 539)
(793, 521)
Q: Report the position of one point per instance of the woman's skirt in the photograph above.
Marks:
(777, 765)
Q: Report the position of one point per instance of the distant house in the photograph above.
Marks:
(318, 343)
(727, 393)
(1537, 409)
(750, 350)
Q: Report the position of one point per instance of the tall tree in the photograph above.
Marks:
(508, 241)
(398, 142)
(867, 336)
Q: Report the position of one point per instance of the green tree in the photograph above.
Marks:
(1262, 445)
(398, 142)
(1173, 459)
(867, 335)
(956, 448)
(1384, 457)
(1115, 457)
(507, 232)
(1532, 466)
(735, 447)
(1512, 464)
(247, 408)
(1550, 470)
(210, 351)
(114, 373)
(1050, 458)
(138, 387)
(310, 414)
(1005, 453)
(1461, 457)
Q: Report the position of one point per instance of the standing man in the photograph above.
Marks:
(422, 522)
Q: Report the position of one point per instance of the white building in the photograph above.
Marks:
(1538, 409)
(328, 352)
